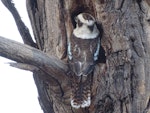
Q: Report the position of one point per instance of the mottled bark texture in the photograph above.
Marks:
(121, 84)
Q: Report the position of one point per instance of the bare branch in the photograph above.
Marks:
(25, 54)
(24, 31)
(23, 66)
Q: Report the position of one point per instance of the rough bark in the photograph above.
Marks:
(121, 84)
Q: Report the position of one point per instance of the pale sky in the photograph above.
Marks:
(18, 93)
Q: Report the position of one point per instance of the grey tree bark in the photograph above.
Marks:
(121, 81)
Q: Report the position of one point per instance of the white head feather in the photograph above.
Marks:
(84, 21)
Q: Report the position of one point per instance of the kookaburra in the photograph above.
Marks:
(83, 51)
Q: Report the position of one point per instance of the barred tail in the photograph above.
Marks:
(81, 92)
(80, 101)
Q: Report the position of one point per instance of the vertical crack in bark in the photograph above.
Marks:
(131, 83)
(43, 39)
(121, 106)
(147, 109)
(35, 19)
(140, 17)
(127, 110)
(139, 4)
(33, 4)
(119, 4)
(62, 41)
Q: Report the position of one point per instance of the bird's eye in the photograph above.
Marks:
(80, 23)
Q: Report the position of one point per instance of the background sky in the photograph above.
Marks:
(18, 93)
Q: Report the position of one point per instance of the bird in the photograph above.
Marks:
(83, 52)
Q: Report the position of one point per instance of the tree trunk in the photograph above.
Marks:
(121, 78)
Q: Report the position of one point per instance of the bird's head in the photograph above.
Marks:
(84, 19)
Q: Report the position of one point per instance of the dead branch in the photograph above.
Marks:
(22, 28)
(25, 54)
